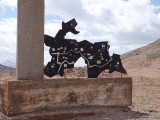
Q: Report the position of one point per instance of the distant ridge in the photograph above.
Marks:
(150, 51)
(6, 69)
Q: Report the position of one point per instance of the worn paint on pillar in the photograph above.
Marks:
(30, 39)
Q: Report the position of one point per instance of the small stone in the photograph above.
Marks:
(125, 109)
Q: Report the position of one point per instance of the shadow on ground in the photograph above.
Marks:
(93, 116)
(82, 113)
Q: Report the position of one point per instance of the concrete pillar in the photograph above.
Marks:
(30, 39)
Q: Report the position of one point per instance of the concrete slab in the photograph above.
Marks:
(34, 95)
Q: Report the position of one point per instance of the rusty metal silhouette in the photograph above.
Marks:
(65, 52)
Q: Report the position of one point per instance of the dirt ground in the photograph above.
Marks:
(146, 106)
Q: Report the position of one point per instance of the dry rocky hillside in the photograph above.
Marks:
(7, 73)
(144, 61)
(5, 69)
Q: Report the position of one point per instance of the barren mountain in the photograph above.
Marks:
(6, 73)
(5, 69)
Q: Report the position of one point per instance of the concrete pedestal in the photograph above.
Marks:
(34, 95)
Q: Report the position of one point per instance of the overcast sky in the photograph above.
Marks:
(126, 24)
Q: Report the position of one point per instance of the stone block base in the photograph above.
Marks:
(34, 95)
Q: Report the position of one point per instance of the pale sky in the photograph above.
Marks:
(126, 24)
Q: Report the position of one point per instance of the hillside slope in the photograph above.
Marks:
(7, 73)
(150, 51)
(5, 69)
(144, 61)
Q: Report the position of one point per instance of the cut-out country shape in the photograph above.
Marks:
(65, 52)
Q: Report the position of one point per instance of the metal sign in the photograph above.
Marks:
(65, 52)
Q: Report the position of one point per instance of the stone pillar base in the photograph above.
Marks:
(34, 95)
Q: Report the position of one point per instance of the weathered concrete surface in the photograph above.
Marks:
(30, 39)
(27, 96)
(3, 97)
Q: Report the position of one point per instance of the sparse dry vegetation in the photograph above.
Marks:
(153, 55)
